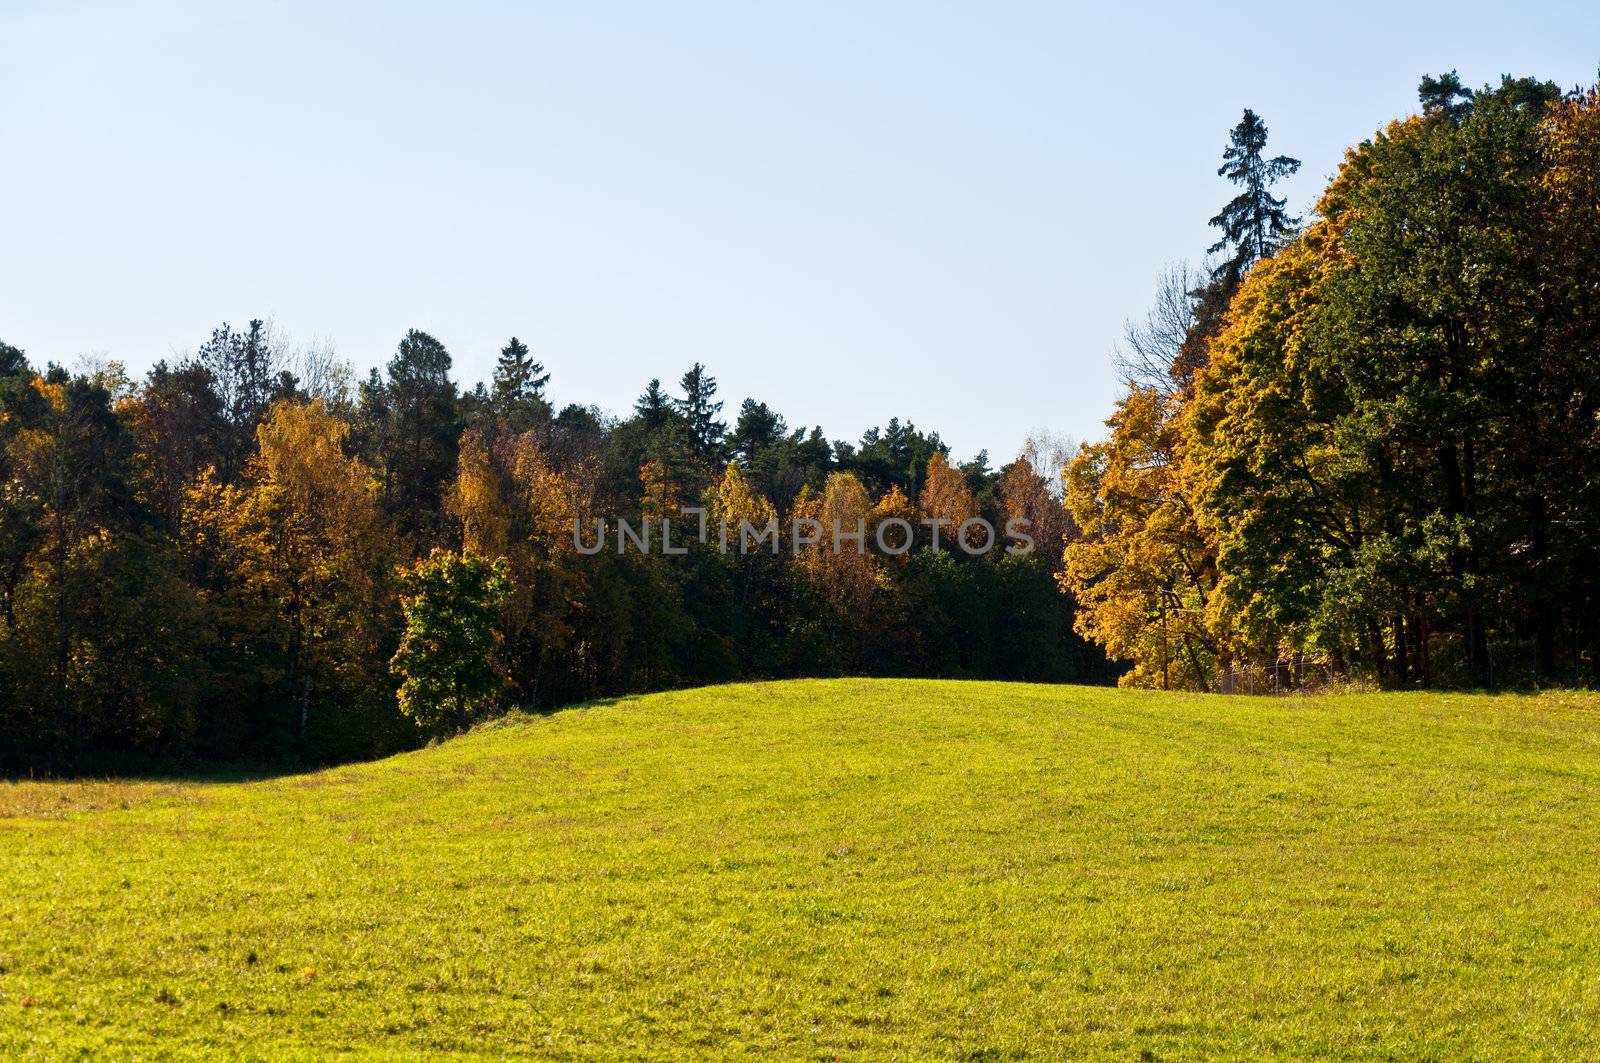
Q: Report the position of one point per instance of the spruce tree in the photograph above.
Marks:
(700, 411)
(1254, 224)
(517, 377)
(517, 397)
(654, 407)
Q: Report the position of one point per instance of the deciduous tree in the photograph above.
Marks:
(445, 662)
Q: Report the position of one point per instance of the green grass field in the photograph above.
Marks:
(855, 869)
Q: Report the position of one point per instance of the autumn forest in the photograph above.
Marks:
(1357, 447)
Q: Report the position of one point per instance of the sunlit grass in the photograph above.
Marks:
(51, 799)
(854, 868)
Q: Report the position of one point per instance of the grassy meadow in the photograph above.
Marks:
(841, 869)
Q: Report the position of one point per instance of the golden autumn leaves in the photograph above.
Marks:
(1389, 448)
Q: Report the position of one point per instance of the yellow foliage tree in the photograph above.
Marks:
(660, 497)
(298, 543)
(511, 504)
(1026, 498)
(732, 504)
(1142, 571)
(947, 501)
(839, 562)
(478, 501)
(896, 539)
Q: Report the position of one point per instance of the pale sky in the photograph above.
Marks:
(850, 211)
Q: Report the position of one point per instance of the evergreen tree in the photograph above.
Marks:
(700, 411)
(892, 456)
(1444, 95)
(790, 463)
(758, 428)
(518, 392)
(979, 476)
(12, 361)
(654, 408)
(420, 434)
(1254, 223)
(1524, 93)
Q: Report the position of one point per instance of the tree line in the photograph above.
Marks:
(250, 554)
(1368, 443)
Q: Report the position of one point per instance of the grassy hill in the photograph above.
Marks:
(842, 869)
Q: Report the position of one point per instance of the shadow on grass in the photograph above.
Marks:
(200, 773)
(182, 774)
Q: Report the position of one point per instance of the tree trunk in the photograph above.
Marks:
(1545, 640)
(1401, 648)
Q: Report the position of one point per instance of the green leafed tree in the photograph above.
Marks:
(446, 660)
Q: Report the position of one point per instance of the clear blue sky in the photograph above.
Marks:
(849, 211)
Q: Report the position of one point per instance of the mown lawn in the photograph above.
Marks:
(856, 869)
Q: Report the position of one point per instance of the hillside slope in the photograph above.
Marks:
(844, 868)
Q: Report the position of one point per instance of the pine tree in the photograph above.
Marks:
(519, 382)
(12, 361)
(421, 433)
(758, 427)
(654, 407)
(700, 411)
(1443, 95)
(1254, 223)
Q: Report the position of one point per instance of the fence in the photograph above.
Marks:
(1512, 665)
(1286, 675)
